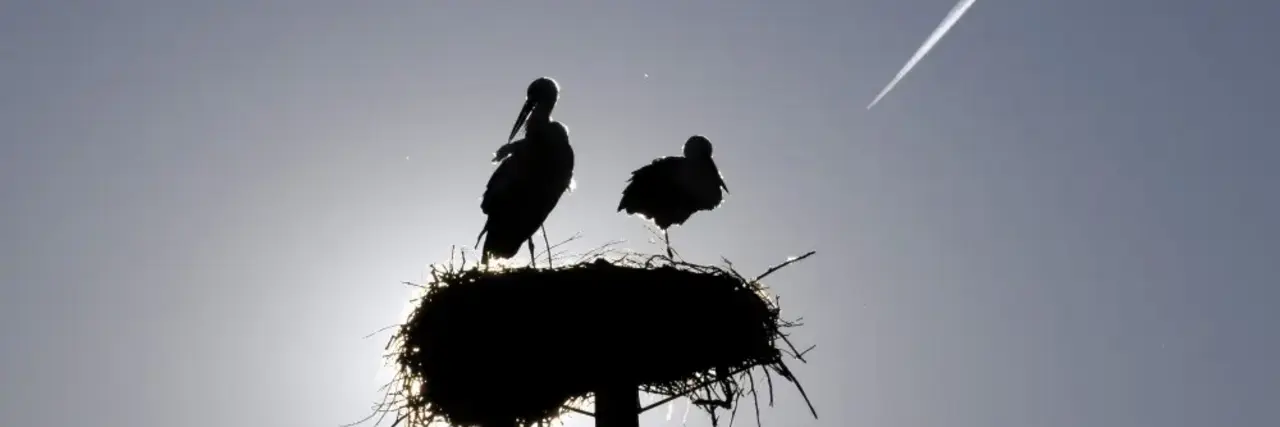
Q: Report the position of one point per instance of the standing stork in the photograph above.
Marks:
(532, 175)
(671, 189)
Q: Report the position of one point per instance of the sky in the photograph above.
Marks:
(1064, 216)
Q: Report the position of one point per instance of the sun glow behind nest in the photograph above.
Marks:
(387, 371)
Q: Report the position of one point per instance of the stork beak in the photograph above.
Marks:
(524, 114)
(719, 178)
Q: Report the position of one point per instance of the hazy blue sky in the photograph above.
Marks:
(1064, 217)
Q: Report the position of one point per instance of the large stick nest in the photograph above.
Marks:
(487, 346)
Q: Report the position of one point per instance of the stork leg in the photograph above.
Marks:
(484, 255)
(533, 259)
(667, 238)
(547, 240)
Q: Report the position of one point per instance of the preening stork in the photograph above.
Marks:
(532, 175)
(671, 189)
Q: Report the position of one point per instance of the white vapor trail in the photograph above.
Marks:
(952, 17)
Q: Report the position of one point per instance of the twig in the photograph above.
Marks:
(400, 418)
(384, 328)
(789, 261)
(696, 387)
(547, 240)
(733, 414)
(769, 379)
(786, 373)
(755, 397)
(551, 247)
(580, 411)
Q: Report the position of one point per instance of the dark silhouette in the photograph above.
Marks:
(669, 190)
(516, 347)
(534, 172)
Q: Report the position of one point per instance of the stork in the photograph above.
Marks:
(532, 174)
(671, 189)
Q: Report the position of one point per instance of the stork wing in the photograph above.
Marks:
(502, 184)
(509, 149)
(660, 168)
(650, 181)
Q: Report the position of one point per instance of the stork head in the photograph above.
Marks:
(542, 93)
(697, 147)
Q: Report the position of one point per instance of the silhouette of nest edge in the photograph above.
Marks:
(503, 346)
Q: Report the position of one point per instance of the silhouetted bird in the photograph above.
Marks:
(534, 172)
(669, 190)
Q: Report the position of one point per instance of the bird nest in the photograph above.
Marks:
(521, 346)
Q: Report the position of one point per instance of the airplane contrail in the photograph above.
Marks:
(952, 17)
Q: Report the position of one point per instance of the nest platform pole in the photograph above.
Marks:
(617, 405)
(503, 423)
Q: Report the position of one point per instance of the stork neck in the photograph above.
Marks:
(699, 159)
(541, 114)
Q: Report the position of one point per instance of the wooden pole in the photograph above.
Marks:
(618, 405)
(504, 423)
